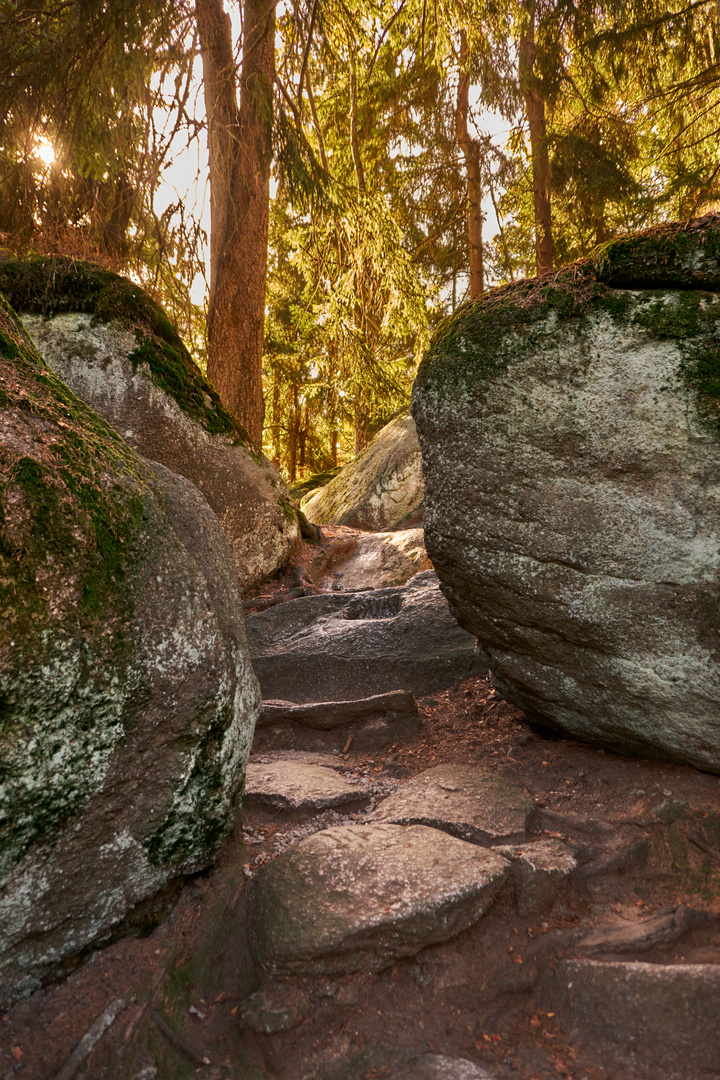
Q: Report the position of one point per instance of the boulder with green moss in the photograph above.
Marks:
(381, 489)
(127, 700)
(116, 349)
(570, 431)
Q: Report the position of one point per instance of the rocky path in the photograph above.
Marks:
(424, 887)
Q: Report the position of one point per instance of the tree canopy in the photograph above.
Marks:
(416, 152)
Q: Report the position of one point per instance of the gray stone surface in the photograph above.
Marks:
(355, 898)
(325, 715)
(340, 647)
(246, 492)
(439, 1067)
(571, 467)
(392, 1062)
(660, 1020)
(298, 786)
(540, 870)
(462, 800)
(383, 560)
(380, 489)
(128, 701)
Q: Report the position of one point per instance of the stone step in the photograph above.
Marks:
(294, 786)
(355, 898)
(462, 800)
(330, 714)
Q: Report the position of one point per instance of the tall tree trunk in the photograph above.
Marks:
(294, 433)
(302, 435)
(240, 145)
(471, 152)
(535, 110)
(334, 447)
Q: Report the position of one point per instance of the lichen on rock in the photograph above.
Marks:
(569, 428)
(127, 702)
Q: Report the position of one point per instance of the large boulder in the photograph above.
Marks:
(571, 452)
(116, 349)
(127, 701)
(340, 647)
(381, 489)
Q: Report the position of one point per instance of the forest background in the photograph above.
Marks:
(374, 124)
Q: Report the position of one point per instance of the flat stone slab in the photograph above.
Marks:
(657, 1017)
(293, 785)
(357, 897)
(329, 714)
(540, 869)
(461, 800)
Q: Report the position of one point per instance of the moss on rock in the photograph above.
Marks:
(659, 280)
(127, 701)
(50, 284)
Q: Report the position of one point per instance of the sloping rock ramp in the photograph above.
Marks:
(342, 647)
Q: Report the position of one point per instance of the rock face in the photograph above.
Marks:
(357, 897)
(127, 702)
(462, 800)
(117, 351)
(656, 1017)
(341, 647)
(381, 489)
(571, 453)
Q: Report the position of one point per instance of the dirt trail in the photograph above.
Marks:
(483, 996)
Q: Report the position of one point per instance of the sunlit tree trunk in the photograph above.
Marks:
(240, 152)
(471, 152)
(535, 110)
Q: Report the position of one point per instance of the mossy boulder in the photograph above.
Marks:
(381, 489)
(570, 431)
(117, 350)
(127, 701)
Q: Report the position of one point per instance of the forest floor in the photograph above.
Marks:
(186, 974)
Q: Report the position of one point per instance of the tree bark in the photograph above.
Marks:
(294, 433)
(535, 111)
(240, 146)
(471, 152)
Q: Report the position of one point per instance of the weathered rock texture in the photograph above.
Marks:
(461, 800)
(381, 489)
(127, 702)
(540, 870)
(293, 786)
(357, 897)
(386, 559)
(571, 453)
(653, 1019)
(118, 352)
(341, 647)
